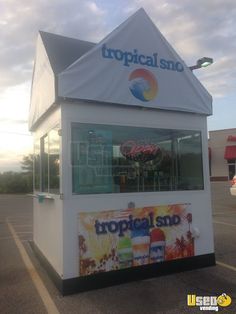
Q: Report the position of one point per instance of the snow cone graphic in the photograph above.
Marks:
(125, 253)
(140, 246)
(157, 246)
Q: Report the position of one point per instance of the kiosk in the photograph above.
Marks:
(121, 178)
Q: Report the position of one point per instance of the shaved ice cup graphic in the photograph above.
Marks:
(140, 246)
(125, 253)
(157, 246)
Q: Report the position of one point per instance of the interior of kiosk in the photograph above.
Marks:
(121, 178)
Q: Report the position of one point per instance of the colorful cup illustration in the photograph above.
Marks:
(140, 246)
(157, 245)
(125, 253)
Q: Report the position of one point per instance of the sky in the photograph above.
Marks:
(194, 28)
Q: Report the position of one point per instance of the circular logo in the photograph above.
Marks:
(143, 84)
(224, 300)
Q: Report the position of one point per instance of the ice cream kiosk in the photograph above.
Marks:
(121, 180)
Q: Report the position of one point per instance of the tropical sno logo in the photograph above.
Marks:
(208, 303)
(143, 84)
(127, 58)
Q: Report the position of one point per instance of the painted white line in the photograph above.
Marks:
(42, 290)
(26, 240)
(6, 238)
(226, 266)
(223, 223)
(19, 216)
(27, 221)
(17, 225)
(224, 213)
(21, 221)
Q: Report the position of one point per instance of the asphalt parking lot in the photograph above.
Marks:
(167, 294)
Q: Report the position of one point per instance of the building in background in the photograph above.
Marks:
(222, 154)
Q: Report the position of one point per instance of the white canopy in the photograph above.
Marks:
(54, 53)
(134, 65)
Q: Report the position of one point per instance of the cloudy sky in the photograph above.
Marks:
(194, 28)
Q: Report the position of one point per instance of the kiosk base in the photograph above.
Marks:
(102, 280)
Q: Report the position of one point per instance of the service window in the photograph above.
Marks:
(36, 165)
(54, 161)
(46, 163)
(118, 159)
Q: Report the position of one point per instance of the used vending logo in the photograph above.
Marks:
(208, 303)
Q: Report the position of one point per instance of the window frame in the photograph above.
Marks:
(46, 188)
(174, 160)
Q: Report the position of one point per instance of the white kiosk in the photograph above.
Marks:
(121, 179)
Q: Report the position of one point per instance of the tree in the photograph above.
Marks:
(27, 174)
(18, 182)
(27, 163)
(14, 182)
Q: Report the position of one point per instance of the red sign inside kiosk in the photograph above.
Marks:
(140, 152)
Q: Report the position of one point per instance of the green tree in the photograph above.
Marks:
(27, 174)
(14, 182)
(18, 182)
(27, 163)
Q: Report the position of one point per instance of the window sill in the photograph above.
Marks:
(42, 196)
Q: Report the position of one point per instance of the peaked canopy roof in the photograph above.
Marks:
(54, 53)
(134, 65)
(63, 51)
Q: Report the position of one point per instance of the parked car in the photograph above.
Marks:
(233, 187)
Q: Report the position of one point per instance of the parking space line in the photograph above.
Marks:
(27, 241)
(223, 223)
(42, 290)
(19, 218)
(224, 213)
(226, 266)
(17, 225)
(6, 238)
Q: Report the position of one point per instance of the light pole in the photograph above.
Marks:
(201, 63)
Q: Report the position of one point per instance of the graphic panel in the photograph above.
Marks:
(118, 239)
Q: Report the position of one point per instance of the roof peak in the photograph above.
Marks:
(63, 51)
(43, 33)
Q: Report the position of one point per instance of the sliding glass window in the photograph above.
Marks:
(46, 163)
(36, 163)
